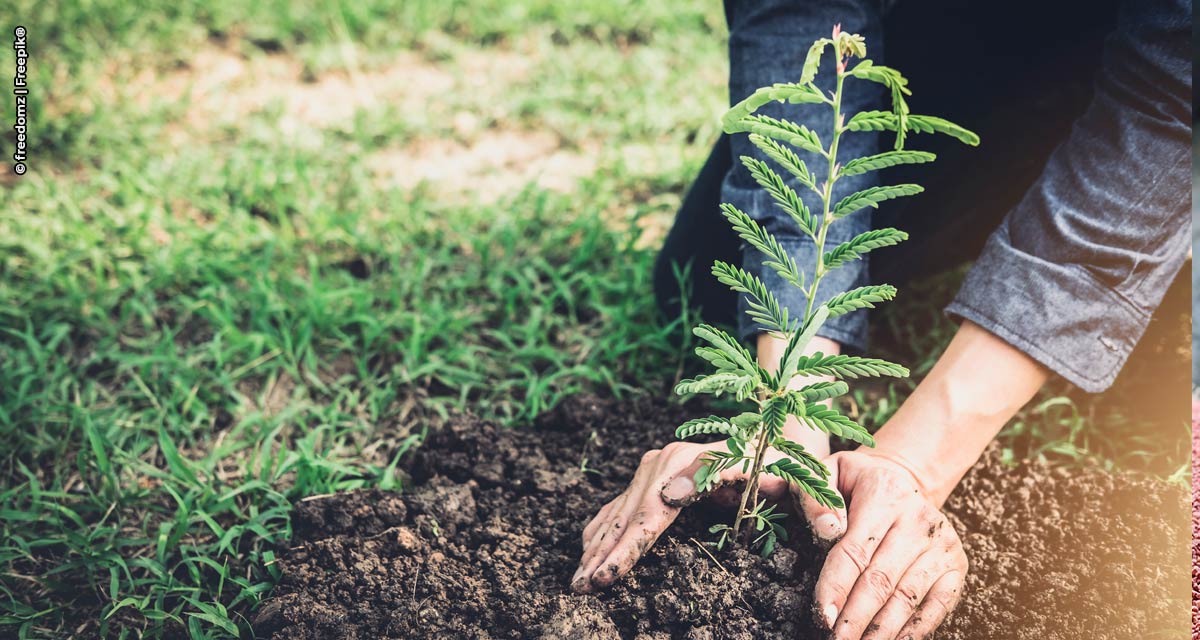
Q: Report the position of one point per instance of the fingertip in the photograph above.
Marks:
(828, 527)
(679, 492)
(605, 577)
(829, 615)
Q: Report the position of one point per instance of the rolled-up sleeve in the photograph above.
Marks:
(1073, 274)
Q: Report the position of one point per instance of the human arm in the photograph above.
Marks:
(1076, 269)
(899, 567)
(1065, 286)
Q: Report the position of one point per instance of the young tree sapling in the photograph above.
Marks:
(751, 435)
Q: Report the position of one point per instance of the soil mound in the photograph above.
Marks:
(485, 539)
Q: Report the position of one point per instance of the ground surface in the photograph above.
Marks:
(484, 544)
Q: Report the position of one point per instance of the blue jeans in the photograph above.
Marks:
(1075, 208)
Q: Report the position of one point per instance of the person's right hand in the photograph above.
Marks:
(899, 568)
(628, 526)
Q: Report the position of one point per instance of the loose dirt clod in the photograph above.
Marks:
(1054, 554)
(570, 621)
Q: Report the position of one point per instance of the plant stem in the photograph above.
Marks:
(827, 196)
(750, 493)
(759, 453)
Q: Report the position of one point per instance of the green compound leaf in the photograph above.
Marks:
(793, 403)
(766, 520)
(707, 426)
(934, 124)
(898, 86)
(709, 473)
(868, 70)
(733, 351)
(746, 420)
(797, 452)
(854, 248)
(887, 121)
(819, 391)
(774, 414)
(787, 159)
(764, 306)
(871, 197)
(718, 359)
(830, 421)
(771, 540)
(860, 298)
(812, 61)
(783, 195)
(703, 474)
(872, 121)
(804, 479)
(717, 383)
(794, 134)
(779, 92)
(885, 160)
(844, 366)
(749, 230)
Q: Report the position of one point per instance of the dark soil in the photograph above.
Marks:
(485, 540)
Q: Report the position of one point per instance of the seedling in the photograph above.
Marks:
(751, 435)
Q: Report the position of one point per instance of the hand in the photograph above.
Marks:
(899, 569)
(628, 526)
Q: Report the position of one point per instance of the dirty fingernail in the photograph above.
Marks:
(830, 614)
(678, 489)
(827, 527)
(578, 581)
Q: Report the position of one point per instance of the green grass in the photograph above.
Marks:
(203, 322)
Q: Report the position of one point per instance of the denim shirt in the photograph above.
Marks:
(1075, 270)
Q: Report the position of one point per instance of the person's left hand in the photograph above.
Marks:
(625, 528)
(898, 571)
